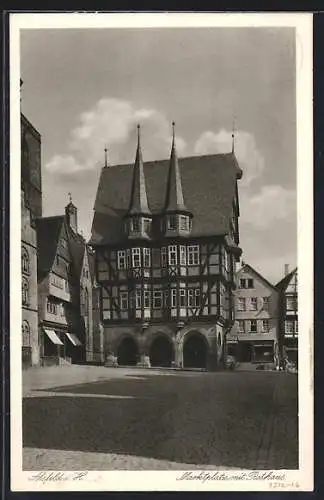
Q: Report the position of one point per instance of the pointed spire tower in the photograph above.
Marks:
(71, 214)
(139, 214)
(177, 216)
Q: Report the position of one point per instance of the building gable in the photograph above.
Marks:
(248, 272)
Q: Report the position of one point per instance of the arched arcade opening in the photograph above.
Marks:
(127, 352)
(195, 351)
(161, 351)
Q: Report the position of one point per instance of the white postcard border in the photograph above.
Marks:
(296, 480)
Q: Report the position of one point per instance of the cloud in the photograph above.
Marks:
(63, 163)
(269, 206)
(112, 123)
(249, 157)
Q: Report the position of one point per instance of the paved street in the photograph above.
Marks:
(99, 418)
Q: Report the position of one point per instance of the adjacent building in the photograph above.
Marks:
(166, 241)
(254, 336)
(64, 290)
(288, 315)
(31, 208)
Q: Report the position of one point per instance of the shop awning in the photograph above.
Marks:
(53, 337)
(73, 339)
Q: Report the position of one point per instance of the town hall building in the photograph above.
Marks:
(166, 241)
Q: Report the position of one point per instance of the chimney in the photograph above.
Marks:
(286, 269)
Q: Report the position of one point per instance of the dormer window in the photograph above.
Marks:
(147, 223)
(172, 222)
(184, 222)
(135, 225)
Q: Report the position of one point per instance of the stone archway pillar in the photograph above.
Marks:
(144, 358)
(178, 347)
(110, 354)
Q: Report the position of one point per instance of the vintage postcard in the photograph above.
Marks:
(161, 252)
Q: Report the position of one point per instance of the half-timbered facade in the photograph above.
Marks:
(288, 316)
(166, 240)
(60, 263)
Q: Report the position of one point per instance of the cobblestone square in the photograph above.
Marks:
(96, 418)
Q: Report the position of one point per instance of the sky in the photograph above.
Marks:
(87, 88)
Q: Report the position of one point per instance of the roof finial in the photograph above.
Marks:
(233, 135)
(138, 132)
(106, 156)
(70, 197)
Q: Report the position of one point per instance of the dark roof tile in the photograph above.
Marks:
(208, 183)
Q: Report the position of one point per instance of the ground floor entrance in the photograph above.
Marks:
(195, 351)
(127, 352)
(161, 352)
(255, 351)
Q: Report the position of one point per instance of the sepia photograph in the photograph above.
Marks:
(164, 320)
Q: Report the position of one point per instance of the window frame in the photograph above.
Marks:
(193, 255)
(164, 257)
(291, 323)
(250, 283)
(172, 226)
(157, 296)
(172, 251)
(123, 300)
(241, 300)
(253, 322)
(191, 297)
(242, 284)
(25, 291)
(138, 298)
(147, 299)
(173, 298)
(183, 255)
(147, 258)
(183, 222)
(241, 322)
(25, 331)
(121, 258)
(293, 302)
(136, 253)
(135, 225)
(182, 297)
(25, 261)
(265, 321)
(253, 304)
(266, 303)
(147, 225)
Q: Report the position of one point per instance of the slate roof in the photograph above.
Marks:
(284, 282)
(77, 247)
(138, 200)
(208, 184)
(174, 194)
(48, 234)
(91, 261)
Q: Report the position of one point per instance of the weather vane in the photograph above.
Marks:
(233, 135)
